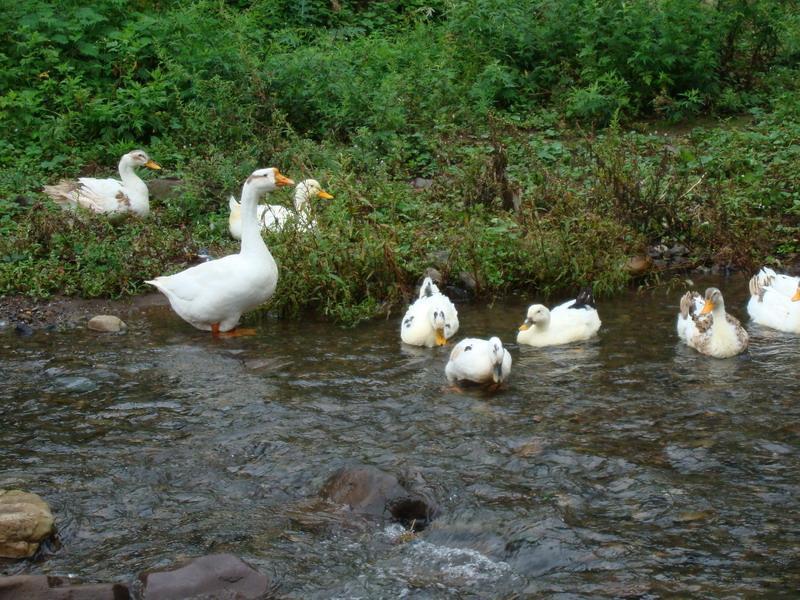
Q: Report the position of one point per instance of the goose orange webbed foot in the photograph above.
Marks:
(238, 332)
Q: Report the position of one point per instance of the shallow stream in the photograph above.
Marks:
(628, 466)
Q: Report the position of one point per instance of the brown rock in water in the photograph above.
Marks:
(42, 587)
(218, 576)
(106, 324)
(369, 491)
(638, 265)
(25, 520)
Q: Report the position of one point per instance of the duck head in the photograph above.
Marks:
(437, 320)
(139, 158)
(498, 352)
(307, 190)
(266, 180)
(713, 301)
(538, 314)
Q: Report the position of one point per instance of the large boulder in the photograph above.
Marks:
(217, 576)
(369, 491)
(25, 520)
(42, 587)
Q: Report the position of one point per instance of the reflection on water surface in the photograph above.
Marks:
(626, 466)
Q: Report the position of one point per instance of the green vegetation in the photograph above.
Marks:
(616, 124)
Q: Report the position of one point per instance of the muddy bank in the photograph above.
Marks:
(61, 312)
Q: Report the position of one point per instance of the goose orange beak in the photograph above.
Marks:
(151, 164)
(707, 307)
(281, 180)
(324, 195)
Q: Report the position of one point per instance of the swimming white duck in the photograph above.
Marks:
(706, 327)
(568, 322)
(213, 295)
(431, 320)
(108, 195)
(275, 216)
(775, 300)
(478, 361)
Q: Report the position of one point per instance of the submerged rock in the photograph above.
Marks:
(369, 491)
(42, 587)
(23, 330)
(25, 520)
(219, 576)
(106, 324)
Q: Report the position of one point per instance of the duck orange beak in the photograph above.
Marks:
(796, 297)
(707, 307)
(151, 164)
(280, 180)
(324, 195)
(440, 339)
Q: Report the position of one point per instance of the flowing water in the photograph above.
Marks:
(628, 466)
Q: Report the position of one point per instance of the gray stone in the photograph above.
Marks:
(678, 250)
(421, 183)
(75, 384)
(369, 491)
(218, 576)
(469, 282)
(25, 520)
(23, 330)
(42, 587)
(106, 324)
(164, 188)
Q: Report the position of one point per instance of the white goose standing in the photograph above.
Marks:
(213, 295)
(108, 195)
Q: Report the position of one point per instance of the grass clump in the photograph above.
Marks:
(536, 121)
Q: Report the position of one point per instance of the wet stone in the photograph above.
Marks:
(25, 520)
(75, 384)
(23, 330)
(369, 491)
(222, 576)
(106, 324)
(42, 587)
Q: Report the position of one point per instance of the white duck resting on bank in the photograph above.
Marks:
(706, 327)
(108, 195)
(213, 295)
(775, 300)
(478, 361)
(275, 216)
(431, 320)
(568, 322)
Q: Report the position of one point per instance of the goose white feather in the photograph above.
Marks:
(478, 361)
(705, 326)
(431, 320)
(274, 216)
(568, 322)
(213, 295)
(775, 301)
(108, 195)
